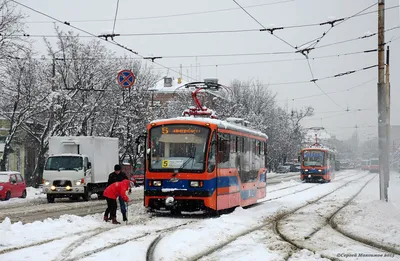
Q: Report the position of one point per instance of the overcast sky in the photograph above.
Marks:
(296, 12)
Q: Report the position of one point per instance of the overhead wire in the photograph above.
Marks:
(172, 15)
(115, 17)
(89, 33)
(266, 29)
(314, 80)
(339, 21)
(278, 60)
(340, 91)
(313, 46)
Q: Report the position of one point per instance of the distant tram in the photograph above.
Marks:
(203, 164)
(317, 164)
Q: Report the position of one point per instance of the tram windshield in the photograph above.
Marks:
(178, 146)
(313, 158)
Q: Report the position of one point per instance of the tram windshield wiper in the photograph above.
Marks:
(191, 157)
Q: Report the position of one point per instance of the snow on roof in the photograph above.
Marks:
(220, 123)
(319, 146)
(159, 87)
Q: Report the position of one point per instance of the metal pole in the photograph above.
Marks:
(387, 175)
(383, 159)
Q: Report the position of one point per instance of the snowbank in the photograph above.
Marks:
(33, 193)
(372, 219)
(18, 234)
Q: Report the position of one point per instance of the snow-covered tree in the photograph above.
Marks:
(11, 29)
(19, 98)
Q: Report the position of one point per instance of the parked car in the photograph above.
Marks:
(12, 185)
(283, 169)
(297, 167)
(137, 177)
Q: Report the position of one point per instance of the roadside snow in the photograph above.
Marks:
(372, 219)
(18, 234)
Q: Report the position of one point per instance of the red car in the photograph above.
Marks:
(138, 177)
(12, 185)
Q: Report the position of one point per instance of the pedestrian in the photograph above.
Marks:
(118, 176)
(112, 192)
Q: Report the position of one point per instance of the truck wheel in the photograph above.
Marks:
(86, 195)
(100, 195)
(50, 198)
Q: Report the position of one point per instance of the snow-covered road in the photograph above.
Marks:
(296, 211)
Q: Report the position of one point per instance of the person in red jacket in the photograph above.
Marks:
(112, 192)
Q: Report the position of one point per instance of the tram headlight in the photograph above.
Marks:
(306, 170)
(320, 170)
(157, 183)
(196, 184)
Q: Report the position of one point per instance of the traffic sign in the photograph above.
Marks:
(126, 78)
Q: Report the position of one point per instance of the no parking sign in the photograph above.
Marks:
(126, 78)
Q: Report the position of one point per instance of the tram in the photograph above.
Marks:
(198, 163)
(317, 164)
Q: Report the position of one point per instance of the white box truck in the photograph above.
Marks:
(78, 166)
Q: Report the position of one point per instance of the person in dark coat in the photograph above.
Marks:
(116, 189)
(118, 176)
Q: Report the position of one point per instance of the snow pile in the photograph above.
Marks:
(369, 218)
(33, 193)
(18, 234)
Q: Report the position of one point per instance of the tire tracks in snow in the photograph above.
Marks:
(124, 241)
(297, 246)
(334, 225)
(268, 221)
(285, 237)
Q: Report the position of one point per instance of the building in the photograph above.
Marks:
(23, 153)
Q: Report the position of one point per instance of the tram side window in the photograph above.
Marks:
(265, 155)
(223, 150)
(212, 153)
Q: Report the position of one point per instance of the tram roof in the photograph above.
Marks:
(319, 148)
(220, 123)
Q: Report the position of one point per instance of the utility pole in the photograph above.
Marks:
(382, 106)
(387, 178)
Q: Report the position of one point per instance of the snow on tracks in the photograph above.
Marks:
(210, 236)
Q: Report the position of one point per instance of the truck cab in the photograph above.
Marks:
(64, 176)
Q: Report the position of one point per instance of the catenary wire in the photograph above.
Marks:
(172, 15)
(271, 30)
(340, 21)
(89, 33)
(318, 95)
(115, 17)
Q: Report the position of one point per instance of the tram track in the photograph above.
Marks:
(297, 246)
(157, 233)
(327, 221)
(268, 221)
(90, 231)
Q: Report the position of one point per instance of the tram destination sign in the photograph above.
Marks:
(181, 129)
